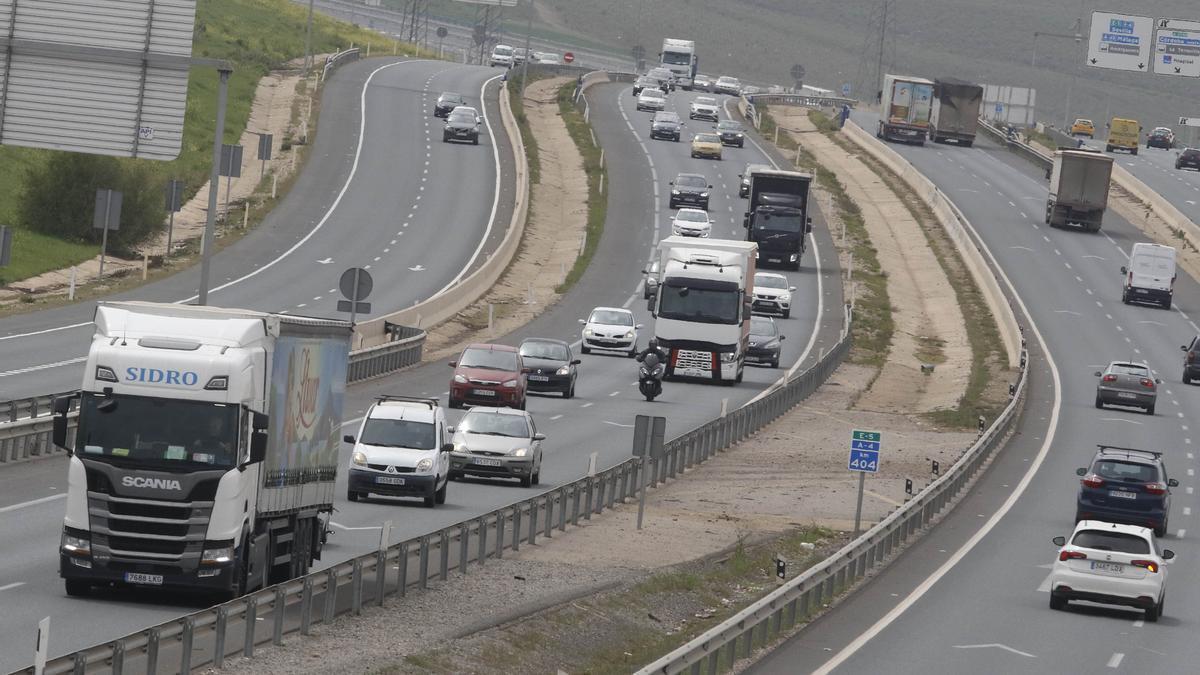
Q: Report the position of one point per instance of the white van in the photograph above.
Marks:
(1150, 275)
(502, 55)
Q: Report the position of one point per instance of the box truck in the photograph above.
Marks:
(777, 215)
(955, 112)
(906, 103)
(206, 448)
(1078, 188)
(702, 307)
(679, 56)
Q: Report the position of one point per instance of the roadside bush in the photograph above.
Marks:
(60, 197)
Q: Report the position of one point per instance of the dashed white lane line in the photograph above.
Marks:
(32, 502)
(586, 405)
(615, 393)
(6, 587)
(1115, 661)
(555, 417)
(1179, 534)
(1187, 510)
(1139, 623)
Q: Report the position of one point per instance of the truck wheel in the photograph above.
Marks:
(1133, 151)
(1108, 148)
(440, 495)
(78, 588)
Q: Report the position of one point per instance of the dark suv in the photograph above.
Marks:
(691, 189)
(1191, 360)
(1188, 159)
(1125, 485)
(666, 125)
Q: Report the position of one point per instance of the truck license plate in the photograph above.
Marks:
(389, 480)
(148, 579)
(487, 462)
(694, 372)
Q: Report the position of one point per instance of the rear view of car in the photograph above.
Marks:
(1110, 564)
(1160, 137)
(1188, 159)
(1126, 485)
(1127, 384)
(766, 344)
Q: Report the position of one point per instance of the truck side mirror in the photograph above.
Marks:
(650, 305)
(746, 221)
(62, 406)
(258, 438)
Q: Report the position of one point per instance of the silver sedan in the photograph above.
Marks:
(1127, 383)
(497, 443)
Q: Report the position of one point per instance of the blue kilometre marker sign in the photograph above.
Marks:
(864, 451)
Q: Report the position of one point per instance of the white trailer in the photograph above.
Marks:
(206, 450)
(906, 104)
(679, 56)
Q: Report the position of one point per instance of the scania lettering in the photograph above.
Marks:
(156, 483)
(209, 464)
(702, 308)
(679, 56)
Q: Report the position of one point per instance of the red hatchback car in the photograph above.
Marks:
(492, 375)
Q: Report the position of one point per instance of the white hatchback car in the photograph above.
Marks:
(691, 223)
(1110, 564)
(704, 108)
(611, 329)
(402, 450)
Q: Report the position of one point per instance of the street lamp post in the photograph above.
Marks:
(1078, 38)
(528, 39)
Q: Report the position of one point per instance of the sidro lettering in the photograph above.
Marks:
(156, 483)
(183, 378)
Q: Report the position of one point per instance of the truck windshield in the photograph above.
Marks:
(785, 221)
(700, 302)
(677, 58)
(157, 432)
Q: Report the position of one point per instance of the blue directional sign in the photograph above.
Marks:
(865, 447)
(846, 89)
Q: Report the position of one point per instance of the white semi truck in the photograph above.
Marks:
(906, 105)
(206, 448)
(679, 56)
(702, 307)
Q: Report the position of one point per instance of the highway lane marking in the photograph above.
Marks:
(44, 366)
(1115, 661)
(618, 424)
(14, 336)
(996, 645)
(1024, 216)
(954, 561)
(587, 405)
(1187, 510)
(6, 587)
(1119, 419)
(32, 502)
(352, 529)
(556, 417)
(615, 393)
(1139, 623)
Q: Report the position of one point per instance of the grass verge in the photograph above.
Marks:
(872, 326)
(597, 201)
(618, 631)
(257, 36)
(986, 393)
(517, 102)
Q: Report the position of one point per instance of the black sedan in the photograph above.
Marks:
(731, 133)
(551, 366)
(1188, 159)
(446, 102)
(691, 189)
(765, 342)
(462, 125)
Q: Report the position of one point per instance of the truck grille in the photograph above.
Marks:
(129, 530)
(688, 358)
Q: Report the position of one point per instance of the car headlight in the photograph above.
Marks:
(358, 458)
(629, 335)
(739, 135)
(587, 332)
(520, 452)
(425, 464)
(785, 297)
(217, 556)
(510, 383)
(72, 545)
(728, 357)
(563, 371)
(460, 379)
(459, 446)
(703, 194)
(674, 192)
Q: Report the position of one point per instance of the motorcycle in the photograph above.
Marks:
(650, 377)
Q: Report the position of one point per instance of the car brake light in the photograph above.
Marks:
(1148, 565)
(1093, 481)
(1155, 488)
(1109, 378)
(1147, 382)
(1071, 555)
(1191, 356)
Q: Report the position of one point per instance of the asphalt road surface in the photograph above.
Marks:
(599, 419)
(972, 595)
(381, 191)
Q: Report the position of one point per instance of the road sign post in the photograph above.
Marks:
(174, 205)
(5, 246)
(231, 167)
(648, 435)
(356, 284)
(864, 458)
(107, 216)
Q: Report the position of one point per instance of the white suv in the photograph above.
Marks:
(402, 450)
(1110, 564)
(502, 55)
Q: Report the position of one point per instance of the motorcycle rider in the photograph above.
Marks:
(654, 361)
(652, 349)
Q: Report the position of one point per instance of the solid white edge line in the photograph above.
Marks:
(44, 331)
(495, 193)
(953, 561)
(32, 502)
(362, 135)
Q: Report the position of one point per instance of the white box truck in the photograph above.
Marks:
(955, 112)
(1078, 194)
(1149, 275)
(906, 104)
(702, 307)
(206, 449)
(679, 56)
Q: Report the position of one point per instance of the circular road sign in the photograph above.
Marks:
(797, 72)
(568, 57)
(364, 285)
(442, 32)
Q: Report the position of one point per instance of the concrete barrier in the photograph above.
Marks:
(960, 231)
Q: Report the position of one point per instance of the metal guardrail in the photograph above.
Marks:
(23, 408)
(768, 618)
(238, 626)
(1024, 149)
(807, 100)
(335, 60)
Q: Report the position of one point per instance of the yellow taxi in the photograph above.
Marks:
(706, 145)
(1083, 127)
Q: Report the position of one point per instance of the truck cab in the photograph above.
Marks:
(777, 217)
(679, 56)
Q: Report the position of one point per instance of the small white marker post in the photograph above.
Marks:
(385, 535)
(42, 647)
(591, 465)
(145, 265)
(274, 184)
(850, 268)
(491, 316)
(71, 293)
(724, 406)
